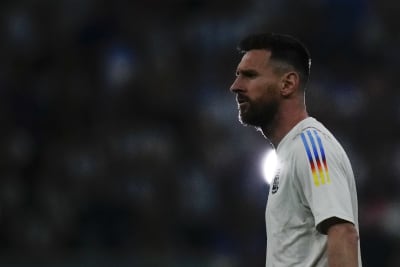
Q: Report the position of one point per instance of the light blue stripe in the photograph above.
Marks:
(303, 137)
(314, 146)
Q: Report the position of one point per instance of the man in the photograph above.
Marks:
(312, 213)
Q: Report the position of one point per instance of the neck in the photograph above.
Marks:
(283, 122)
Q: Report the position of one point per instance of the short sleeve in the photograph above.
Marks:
(322, 176)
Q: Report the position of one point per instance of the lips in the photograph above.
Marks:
(242, 102)
(240, 99)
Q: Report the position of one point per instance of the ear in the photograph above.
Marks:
(290, 83)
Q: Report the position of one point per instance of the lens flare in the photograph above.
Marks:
(269, 165)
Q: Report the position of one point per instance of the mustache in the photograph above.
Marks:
(241, 98)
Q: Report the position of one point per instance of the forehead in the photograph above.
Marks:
(255, 59)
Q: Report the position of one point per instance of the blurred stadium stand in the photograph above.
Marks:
(119, 141)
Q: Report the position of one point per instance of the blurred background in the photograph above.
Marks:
(119, 140)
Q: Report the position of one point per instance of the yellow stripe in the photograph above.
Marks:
(321, 173)
(328, 178)
(316, 180)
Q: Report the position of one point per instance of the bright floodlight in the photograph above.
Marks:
(269, 165)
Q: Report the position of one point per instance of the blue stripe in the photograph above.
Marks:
(303, 137)
(313, 146)
(320, 146)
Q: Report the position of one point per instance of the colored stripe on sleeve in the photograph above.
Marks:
(310, 159)
(317, 159)
(321, 147)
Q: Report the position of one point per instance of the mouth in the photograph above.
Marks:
(240, 100)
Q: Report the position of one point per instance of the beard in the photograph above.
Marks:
(257, 113)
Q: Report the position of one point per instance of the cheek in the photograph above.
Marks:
(258, 90)
(267, 93)
(273, 90)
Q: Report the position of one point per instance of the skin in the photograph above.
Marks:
(342, 245)
(273, 101)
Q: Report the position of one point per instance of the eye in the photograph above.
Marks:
(249, 74)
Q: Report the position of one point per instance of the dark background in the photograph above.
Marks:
(119, 140)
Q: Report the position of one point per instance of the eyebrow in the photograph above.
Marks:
(246, 72)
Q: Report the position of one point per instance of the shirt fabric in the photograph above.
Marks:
(314, 181)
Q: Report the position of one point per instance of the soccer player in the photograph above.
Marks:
(312, 213)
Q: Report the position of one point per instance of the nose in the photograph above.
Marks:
(236, 87)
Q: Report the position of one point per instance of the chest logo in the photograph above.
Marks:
(275, 183)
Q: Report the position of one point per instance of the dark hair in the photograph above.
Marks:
(284, 48)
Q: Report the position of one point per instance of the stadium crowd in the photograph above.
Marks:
(120, 144)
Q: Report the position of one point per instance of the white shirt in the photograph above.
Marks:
(314, 182)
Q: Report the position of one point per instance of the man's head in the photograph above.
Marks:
(273, 68)
(287, 52)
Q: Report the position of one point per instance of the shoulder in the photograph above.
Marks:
(309, 144)
(308, 133)
(317, 138)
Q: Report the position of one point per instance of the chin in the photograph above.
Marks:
(243, 122)
(246, 121)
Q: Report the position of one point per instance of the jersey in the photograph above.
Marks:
(314, 181)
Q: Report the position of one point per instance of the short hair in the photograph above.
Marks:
(284, 49)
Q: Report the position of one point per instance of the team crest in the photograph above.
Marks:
(275, 183)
